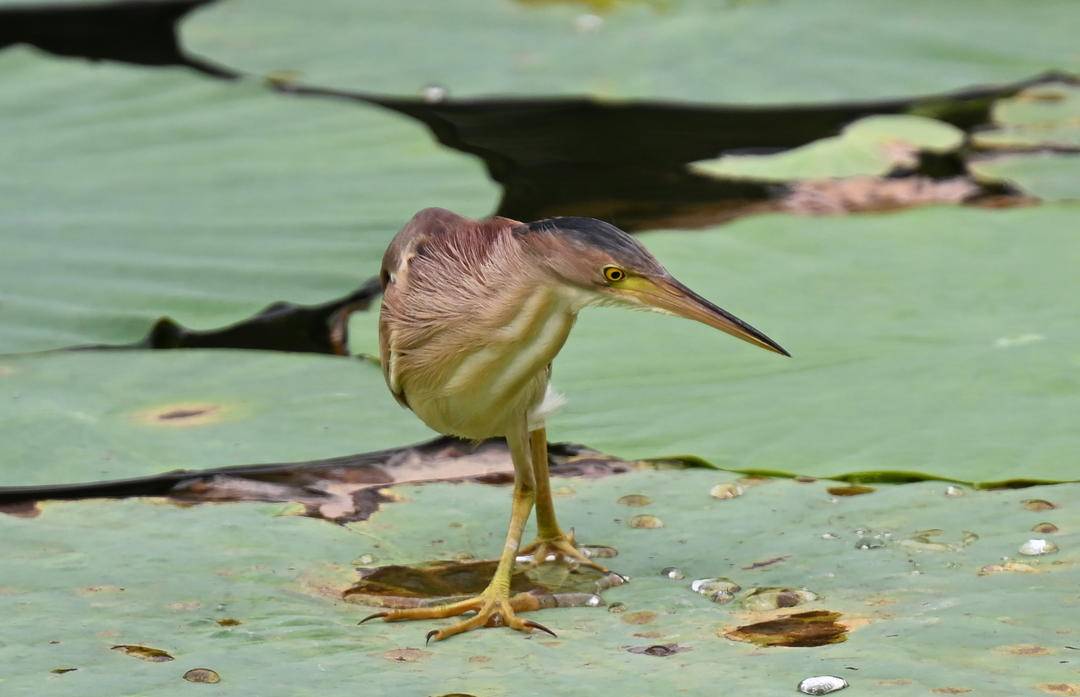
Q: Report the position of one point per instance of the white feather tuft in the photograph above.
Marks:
(552, 402)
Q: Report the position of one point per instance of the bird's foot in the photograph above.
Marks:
(491, 608)
(560, 547)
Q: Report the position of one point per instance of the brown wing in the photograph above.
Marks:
(394, 276)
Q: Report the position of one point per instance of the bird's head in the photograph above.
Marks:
(612, 267)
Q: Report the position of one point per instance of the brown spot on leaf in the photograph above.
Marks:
(1038, 505)
(1045, 528)
(636, 500)
(406, 655)
(145, 653)
(204, 675)
(894, 682)
(766, 562)
(639, 617)
(228, 622)
(950, 690)
(651, 634)
(814, 628)
(1059, 688)
(61, 671)
(1026, 650)
(660, 650)
(850, 490)
(647, 522)
(1009, 567)
(181, 415)
(479, 659)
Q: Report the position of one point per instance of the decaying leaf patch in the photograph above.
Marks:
(550, 585)
(813, 628)
(340, 489)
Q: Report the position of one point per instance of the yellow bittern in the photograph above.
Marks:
(473, 313)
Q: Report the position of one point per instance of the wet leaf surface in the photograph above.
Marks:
(915, 620)
(554, 585)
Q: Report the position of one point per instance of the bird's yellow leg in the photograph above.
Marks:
(550, 539)
(494, 606)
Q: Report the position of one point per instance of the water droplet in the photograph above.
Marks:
(1045, 528)
(617, 608)
(594, 601)
(588, 22)
(869, 543)
(433, 94)
(672, 572)
(953, 490)
(646, 521)
(598, 551)
(364, 560)
(726, 491)
(829, 536)
(718, 590)
(772, 598)
(1038, 505)
(1034, 548)
(202, 675)
(921, 541)
(822, 685)
(635, 500)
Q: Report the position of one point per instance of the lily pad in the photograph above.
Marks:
(79, 417)
(1046, 175)
(691, 51)
(872, 146)
(131, 193)
(1044, 116)
(257, 598)
(935, 342)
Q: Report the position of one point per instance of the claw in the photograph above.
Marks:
(427, 639)
(371, 617)
(542, 628)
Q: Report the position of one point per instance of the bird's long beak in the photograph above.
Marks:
(669, 295)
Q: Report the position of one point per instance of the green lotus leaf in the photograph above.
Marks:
(1045, 175)
(872, 146)
(1045, 116)
(255, 597)
(131, 193)
(86, 416)
(938, 341)
(692, 50)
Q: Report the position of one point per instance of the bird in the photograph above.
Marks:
(473, 314)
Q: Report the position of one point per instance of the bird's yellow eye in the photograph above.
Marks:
(614, 273)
